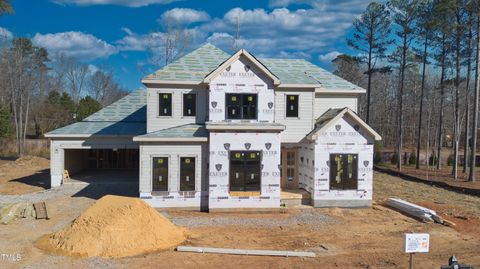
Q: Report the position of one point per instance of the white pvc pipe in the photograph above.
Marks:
(245, 251)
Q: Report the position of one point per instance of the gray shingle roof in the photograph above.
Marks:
(183, 131)
(125, 117)
(196, 65)
(131, 108)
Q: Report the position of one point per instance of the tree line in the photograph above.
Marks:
(418, 61)
(39, 93)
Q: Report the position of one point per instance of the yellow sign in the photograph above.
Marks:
(250, 98)
(253, 155)
(234, 98)
(165, 96)
(237, 155)
(160, 161)
(187, 161)
(292, 98)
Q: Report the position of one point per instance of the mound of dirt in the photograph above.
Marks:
(33, 161)
(115, 227)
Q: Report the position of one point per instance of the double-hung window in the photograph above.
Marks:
(160, 174)
(189, 104)
(187, 174)
(241, 106)
(165, 104)
(292, 106)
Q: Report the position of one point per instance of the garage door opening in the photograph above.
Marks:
(102, 165)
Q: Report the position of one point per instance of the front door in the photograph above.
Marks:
(289, 169)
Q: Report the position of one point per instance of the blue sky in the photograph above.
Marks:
(122, 35)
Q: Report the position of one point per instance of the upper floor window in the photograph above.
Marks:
(165, 104)
(189, 104)
(292, 106)
(241, 106)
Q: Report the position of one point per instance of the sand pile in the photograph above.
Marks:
(115, 227)
(30, 160)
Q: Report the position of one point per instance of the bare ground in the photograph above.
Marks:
(342, 238)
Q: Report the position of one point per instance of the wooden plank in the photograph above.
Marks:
(252, 252)
(41, 210)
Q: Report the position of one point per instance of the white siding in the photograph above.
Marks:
(324, 102)
(174, 198)
(296, 128)
(155, 122)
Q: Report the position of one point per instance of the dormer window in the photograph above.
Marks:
(241, 106)
(292, 106)
(189, 104)
(165, 104)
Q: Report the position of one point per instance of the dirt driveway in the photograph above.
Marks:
(342, 238)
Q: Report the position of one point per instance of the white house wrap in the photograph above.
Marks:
(214, 131)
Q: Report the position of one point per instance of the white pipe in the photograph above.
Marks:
(245, 251)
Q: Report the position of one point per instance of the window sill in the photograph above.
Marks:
(244, 193)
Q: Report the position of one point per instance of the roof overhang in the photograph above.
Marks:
(346, 111)
(170, 139)
(148, 82)
(227, 126)
(47, 135)
(299, 86)
(237, 56)
(340, 91)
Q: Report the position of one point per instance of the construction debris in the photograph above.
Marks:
(251, 252)
(17, 210)
(419, 212)
(41, 210)
(113, 227)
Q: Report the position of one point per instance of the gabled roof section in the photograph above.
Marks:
(125, 118)
(183, 133)
(191, 68)
(237, 56)
(331, 116)
(202, 64)
(301, 72)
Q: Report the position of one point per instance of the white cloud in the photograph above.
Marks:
(298, 32)
(5, 34)
(327, 58)
(128, 3)
(184, 16)
(80, 45)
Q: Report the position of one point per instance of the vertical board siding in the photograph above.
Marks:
(296, 128)
(324, 102)
(155, 122)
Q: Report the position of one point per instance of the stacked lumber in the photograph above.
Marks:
(416, 211)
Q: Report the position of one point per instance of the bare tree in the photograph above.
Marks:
(23, 63)
(172, 43)
(73, 75)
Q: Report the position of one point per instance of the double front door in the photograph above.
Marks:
(289, 168)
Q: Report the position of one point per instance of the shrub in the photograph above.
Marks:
(450, 160)
(394, 159)
(378, 152)
(413, 158)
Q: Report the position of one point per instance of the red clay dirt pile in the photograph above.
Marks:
(113, 227)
